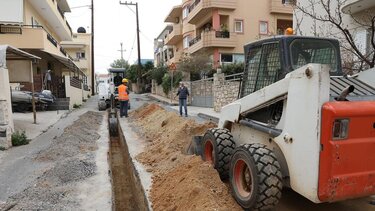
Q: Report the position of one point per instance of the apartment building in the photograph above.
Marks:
(356, 17)
(80, 50)
(38, 27)
(222, 27)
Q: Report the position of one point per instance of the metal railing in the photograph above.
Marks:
(10, 29)
(222, 34)
(193, 5)
(195, 40)
(234, 77)
(75, 82)
(62, 51)
(51, 39)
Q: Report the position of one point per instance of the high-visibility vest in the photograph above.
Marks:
(122, 94)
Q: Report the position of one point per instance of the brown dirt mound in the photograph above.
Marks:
(180, 181)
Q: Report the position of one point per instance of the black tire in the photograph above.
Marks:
(255, 177)
(22, 107)
(217, 147)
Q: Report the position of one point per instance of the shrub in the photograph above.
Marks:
(19, 138)
(76, 105)
(166, 84)
(158, 73)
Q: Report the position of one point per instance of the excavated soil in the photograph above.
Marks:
(180, 181)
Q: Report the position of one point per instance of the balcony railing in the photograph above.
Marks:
(51, 39)
(222, 34)
(62, 51)
(75, 82)
(10, 29)
(195, 40)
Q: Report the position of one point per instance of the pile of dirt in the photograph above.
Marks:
(180, 181)
(72, 160)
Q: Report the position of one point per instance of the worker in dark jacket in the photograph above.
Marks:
(182, 94)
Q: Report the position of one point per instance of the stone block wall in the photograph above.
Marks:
(224, 91)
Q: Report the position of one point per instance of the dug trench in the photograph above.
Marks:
(127, 191)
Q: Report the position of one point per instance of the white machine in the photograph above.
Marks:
(299, 123)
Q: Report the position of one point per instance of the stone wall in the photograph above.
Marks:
(224, 91)
(158, 90)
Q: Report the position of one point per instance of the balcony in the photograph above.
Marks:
(355, 6)
(30, 38)
(213, 39)
(201, 8)
(174, 36)
(176, 58)
(278, 7)
(53, 13)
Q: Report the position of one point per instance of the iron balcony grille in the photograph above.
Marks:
(195, 40)
(51, 39)
(8, 29)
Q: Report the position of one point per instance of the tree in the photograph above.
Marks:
(327, 14)
(196, 65)
(158, 73)
(120, 63)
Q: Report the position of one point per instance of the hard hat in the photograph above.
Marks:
(289, 31)
(124, 80)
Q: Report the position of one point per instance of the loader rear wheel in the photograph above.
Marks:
(255, 177)
(218, 146)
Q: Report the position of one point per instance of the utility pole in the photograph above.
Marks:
(92, 50)
(138, 43)
(122, 51)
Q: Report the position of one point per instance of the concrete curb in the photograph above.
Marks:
(209, 117)
(164, 101)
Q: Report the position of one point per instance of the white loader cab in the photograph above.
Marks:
(298, 123)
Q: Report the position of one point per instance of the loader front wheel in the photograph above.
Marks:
(218, 146)
(255, 177)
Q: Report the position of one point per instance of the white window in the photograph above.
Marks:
(238, 26)
(186, 41)
(263, 27)
(185, 12)
(80, 55)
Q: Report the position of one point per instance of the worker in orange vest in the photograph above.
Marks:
(123, 97)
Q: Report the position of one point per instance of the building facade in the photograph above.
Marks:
(355, 16)
(222, 27)
(39, 27)
(80, 50)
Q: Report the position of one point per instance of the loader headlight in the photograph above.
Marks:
(340, 129)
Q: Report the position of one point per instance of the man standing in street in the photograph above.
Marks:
(123, 97)
(182, 93)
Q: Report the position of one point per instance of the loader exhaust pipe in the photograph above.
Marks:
(345, 93)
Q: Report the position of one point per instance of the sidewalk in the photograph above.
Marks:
(203, 112)
(44, 120)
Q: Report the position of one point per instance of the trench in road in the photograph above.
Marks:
(127, 190)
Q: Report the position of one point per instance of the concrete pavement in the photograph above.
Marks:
(44, 120)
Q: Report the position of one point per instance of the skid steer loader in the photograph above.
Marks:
(298, 123)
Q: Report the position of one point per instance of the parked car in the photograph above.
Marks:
(22, 100)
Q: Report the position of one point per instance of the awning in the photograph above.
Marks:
(8, 52)
(68, 63)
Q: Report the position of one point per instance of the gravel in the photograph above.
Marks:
(72, 160)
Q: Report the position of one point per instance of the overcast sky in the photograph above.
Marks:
(115, 23)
